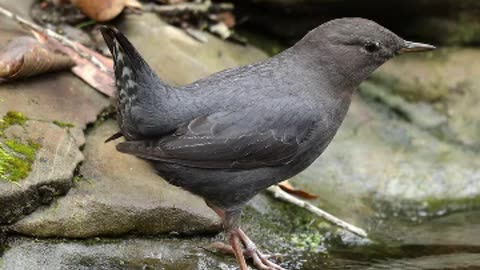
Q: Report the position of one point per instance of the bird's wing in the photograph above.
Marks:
(229, 140)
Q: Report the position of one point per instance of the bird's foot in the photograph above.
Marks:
(220, 247)
(260, 260)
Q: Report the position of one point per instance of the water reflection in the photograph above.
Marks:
(442, 243)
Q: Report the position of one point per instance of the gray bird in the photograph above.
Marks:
(228, 136)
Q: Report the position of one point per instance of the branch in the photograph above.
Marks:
(282, 195)
(172, 10)
(47, 32)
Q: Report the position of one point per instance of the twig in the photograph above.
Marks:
(47, 32)
(280, 194)
(175, 9)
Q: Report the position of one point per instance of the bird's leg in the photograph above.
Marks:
(238, 251)
(231, 221)
(237, 236)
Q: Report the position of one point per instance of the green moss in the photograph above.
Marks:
(27, 150)
(63, 124)
(16, 159)
(436, 205)
(77, 178)
(421, 211)
(12, 118)
(308, 241)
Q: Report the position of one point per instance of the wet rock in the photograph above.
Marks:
(272, 224)
(119, 194)
(51, 172)
(168, 254)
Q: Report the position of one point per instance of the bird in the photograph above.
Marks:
(232, 134)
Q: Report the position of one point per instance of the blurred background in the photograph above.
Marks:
(404, 166)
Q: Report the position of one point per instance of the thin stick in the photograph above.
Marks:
(63, 40)
(282, 195)
(196, 8)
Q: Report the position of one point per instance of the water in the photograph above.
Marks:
(440, 243)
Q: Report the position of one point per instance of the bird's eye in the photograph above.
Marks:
(372, 47)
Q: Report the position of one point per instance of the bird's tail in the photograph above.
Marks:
(130, 67)
(136, 82)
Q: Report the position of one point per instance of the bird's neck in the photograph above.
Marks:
(328, 64)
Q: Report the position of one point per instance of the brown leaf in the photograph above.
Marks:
(287, 187)
(170, 2)
(227, 18)
(25, 56)
(221, 30)
(104, 10)
(102, 81)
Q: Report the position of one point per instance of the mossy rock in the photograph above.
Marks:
(63, 124)
(16, 159)
(12, 118)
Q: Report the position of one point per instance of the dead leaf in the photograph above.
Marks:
(102, 81)
(287, 187)
(227, 18)
(25, 56)
(172, 2)
(59, 3)
(105, 10)
(221, 30)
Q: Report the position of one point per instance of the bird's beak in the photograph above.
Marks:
(415, 47)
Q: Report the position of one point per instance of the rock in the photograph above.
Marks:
(171, 254)
(56, 97)
(446, 78)
(378, 160)
(273, 225)
(441, 22)
(51, 173)
(119, 194)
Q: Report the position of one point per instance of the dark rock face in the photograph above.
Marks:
(440, 22)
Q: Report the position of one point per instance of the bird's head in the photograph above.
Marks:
(355, 47)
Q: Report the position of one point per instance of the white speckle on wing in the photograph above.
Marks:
(130, 84)
(126, 72)
(117, 52)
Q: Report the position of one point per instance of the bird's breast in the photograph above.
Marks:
(329, 119)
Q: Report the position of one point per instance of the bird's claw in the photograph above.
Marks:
(261, 260)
